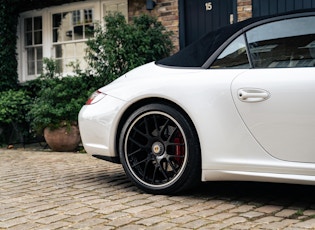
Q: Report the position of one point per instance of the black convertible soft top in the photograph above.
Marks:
(197, 53)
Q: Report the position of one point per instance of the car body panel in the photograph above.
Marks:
(284, 124)
(96, 120)
(226, 142)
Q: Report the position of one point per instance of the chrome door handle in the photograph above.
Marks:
(253, 95)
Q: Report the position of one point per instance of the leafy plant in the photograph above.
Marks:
(8, 67)
(14, 104)
(60, 98)
(121, 46)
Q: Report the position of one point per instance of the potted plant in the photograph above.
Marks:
(55, 110)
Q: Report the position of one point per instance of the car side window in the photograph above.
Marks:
(283, 44)
(233, 56)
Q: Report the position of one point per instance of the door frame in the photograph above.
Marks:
(182, 23)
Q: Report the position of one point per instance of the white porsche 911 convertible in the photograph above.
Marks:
(239, 104)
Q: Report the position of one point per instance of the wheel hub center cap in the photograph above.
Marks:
(158, 148)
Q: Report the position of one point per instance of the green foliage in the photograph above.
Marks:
(58, 102)
(8, 66)
(32, 87)
(122, 46)
(13, 106)
(60, 98)
(51, 69)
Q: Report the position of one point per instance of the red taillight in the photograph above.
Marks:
(95, 97)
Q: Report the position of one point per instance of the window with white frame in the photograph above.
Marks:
(60, 32)
(33, 35)
(70, 30)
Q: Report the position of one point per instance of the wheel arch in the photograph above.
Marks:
(144, 102)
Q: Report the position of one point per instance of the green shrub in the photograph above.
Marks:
(14, 105)
(122, 47)
(31, 87)
(59, 99)
(8, 66)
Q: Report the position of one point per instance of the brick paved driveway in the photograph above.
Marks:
(48, 190)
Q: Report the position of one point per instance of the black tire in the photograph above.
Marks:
(159, 150)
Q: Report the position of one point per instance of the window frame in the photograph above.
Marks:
(216, 54)
(243, 39)
(34, 47)
(277, 62)
(66, 57)
(47, 28)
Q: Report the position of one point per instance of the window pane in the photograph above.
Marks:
(56, 20)
(78, 32)
(62, 27)
(28, 24)
(59, 63)
(58, 51)
(75, 25)
(38, 23)
(80, 49)
(30, 54)
(76, 18)
(69, 50)
(33, 40)
(29, 39)
(234, 56)
(30, 61)
(39, 66)
(283, 44)
(56, 23)
(55, 35)
(39, 60)
(38, 38)
(66, 27)
(39, 53)
(31, 68)
(69, 28)
(88, 16)
(89, 31)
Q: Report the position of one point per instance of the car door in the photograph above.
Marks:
(276, 98)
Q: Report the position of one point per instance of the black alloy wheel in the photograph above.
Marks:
(159, 150)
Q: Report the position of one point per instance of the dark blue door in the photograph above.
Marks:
(198, 17)
(269, 7)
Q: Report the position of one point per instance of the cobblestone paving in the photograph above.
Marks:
(48, 190)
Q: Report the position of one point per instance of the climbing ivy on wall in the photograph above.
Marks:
(8, 61)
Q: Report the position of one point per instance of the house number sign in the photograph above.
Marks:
(208, 6)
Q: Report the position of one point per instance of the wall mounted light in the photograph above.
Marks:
(150, 4)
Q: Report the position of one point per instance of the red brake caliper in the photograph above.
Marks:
(180, 149)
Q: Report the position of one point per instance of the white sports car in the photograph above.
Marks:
(239, 104)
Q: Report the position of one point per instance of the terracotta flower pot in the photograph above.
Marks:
(63, 139)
